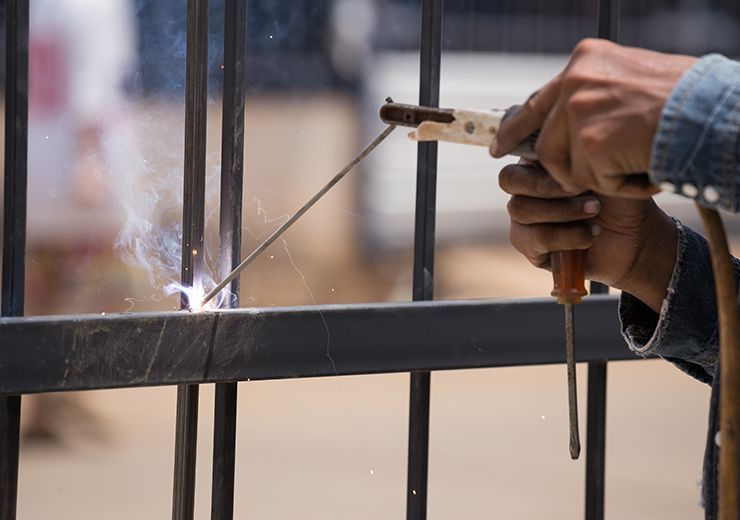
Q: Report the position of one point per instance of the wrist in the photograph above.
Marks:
(652, 270)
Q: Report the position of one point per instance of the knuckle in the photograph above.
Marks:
(579, 104)
(588, 46)
(517, 237)
(506, 178)
(574, 81)
(515, 208)
(591, 140)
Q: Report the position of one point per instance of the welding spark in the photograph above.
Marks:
(194, 297)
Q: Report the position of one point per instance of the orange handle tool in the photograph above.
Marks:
(569, 286)
(569, 275)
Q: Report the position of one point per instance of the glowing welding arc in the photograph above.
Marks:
(298, 214)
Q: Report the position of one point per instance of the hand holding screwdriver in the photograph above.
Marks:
(604, 239)
(569, 287)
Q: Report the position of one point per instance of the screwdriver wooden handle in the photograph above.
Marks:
(569, 275)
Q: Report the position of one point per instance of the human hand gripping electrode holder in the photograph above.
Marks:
(479, 128)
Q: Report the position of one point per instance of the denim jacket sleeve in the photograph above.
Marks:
(696, 151)
(685, 332)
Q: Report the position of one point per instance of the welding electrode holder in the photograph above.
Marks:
(455, 125)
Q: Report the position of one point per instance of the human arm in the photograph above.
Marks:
(616, 112)
(667, 306)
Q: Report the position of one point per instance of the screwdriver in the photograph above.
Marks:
(569, 286)
(479, 127)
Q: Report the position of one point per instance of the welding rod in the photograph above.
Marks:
(298, 214)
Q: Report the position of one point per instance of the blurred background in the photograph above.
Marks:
(106, 122)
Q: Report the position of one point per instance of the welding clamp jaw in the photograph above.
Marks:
(463, 126)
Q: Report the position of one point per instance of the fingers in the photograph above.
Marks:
(529, 118)
(537, 241)
(544, 217)
(530, 210)
(530, 180)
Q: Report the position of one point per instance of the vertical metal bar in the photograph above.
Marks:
(423, 288)
(596, 441)
(14, 229)
(608, 19)
(193, 216)
(232, 175)
(608, 28)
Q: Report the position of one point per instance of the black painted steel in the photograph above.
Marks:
(10, 413)
(193, 215)
(232, 174)
(16, 153)
(92, 351)
(596, 440)
(423, 285)
(608, 19)
(224, 451)
(596, 431)
(608, 28)
(14, 229)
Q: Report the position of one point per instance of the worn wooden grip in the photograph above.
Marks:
(568, 275)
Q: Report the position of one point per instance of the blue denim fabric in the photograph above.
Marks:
(698, 138)
(696, 152)
(684, 333)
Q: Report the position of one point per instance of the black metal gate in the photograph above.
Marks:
(71, 353)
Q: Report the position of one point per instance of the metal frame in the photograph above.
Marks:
(70, 353)
(14, 232)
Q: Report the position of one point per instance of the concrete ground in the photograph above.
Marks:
(336, 449)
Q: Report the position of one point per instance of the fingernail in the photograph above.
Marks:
(595, 230)
(592, 206)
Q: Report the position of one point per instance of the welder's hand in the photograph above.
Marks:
(598, 117)
(631, 243)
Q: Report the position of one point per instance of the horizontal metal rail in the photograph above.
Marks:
(67, 353)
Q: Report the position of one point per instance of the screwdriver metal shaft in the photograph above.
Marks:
(298, 214)
(570, 359)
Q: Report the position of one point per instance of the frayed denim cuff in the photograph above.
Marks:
(696, 150)
(685, 333)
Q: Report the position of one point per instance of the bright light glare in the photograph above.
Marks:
(195, 297)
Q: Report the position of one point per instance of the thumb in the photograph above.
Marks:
(526, 119)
